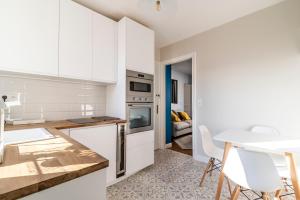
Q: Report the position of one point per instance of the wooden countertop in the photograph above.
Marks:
(63, 124)
(34, 166)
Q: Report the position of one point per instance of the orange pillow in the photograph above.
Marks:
(175, 118)
(184, 116)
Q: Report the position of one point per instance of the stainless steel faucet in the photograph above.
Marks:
(2, 122)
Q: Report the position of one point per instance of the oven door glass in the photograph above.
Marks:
(139, 116)
(139, 87)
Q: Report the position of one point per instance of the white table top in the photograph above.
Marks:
(261, 142)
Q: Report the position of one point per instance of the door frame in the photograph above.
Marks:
(162, 126)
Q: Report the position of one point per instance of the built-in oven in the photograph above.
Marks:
(139, 117)
(139, 98)
(139, 87)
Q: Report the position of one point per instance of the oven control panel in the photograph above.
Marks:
(139, 99)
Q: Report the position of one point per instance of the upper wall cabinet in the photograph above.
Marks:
(75, 41)
(139, 46)
(29, 36)
(104, 49)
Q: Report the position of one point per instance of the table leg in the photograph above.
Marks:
(293, 172)
(222, 175)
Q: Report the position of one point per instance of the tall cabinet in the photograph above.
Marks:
(29, 36)
(135, 52)
(136, 46)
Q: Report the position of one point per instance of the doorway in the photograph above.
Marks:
(179, 106)
(166, 126)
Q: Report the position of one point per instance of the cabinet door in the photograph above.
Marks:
(75, 41)
(139, 47)
(102, 140)
(104, 49)
(29, 36)
(139, 151)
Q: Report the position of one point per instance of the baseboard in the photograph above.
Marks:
(201, 158)
(168, 145)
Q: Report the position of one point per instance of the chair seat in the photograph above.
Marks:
(252, 170)
(217, 153)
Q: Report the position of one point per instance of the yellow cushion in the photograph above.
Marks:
(184, 116)
(175, 118)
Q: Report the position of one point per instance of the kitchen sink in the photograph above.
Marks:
(26, 135)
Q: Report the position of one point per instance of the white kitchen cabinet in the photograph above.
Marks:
(29, 36)
(75, 41)
(102, 140)
(137, 46)
(104, 67)
(139, 151)
(90, 187)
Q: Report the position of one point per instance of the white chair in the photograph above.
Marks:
(252, 170)
(284, 173)
(213, 152)
(268, 130)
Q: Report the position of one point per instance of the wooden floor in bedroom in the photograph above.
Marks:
(176, 147)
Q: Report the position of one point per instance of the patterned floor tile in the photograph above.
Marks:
(174, 176)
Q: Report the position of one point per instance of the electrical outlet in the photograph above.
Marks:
(4, 97)
(13, 98)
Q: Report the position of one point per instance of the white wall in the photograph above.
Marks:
(182, 79)
(248, 71)
(52, 99)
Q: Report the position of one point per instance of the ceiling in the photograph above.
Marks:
(184, 67)
(178, 19)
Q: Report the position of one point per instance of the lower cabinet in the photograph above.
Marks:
(139, 151)
(90, 187)
(102, 140)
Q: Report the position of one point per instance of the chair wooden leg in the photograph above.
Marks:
(222, 175)
(277, 194)
(212, 166)
(205, 172)
(229, 186)
(294, 175)
(265, 196)
(285, 184)
(236, 192)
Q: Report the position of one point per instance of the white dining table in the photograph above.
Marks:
(278, 144)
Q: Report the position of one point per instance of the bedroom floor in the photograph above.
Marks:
(176, 147)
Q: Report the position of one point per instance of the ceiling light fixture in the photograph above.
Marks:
(158, 5)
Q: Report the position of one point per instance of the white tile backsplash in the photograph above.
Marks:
(52, 99)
